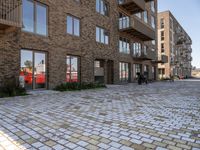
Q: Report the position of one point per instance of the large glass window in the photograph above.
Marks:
(124, 21)
(145, 17)
(73, 25)
(124, 45)
(102, 35)
(33, 69)
(34, 17)
(139, 15)
(124, 72)
(153, 22)
(72, 69)
(137, 70)
(137, 49)
(102, 7)
(152, 3)
(28, 16)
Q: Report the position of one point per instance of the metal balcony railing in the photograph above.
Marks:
(10, 13)
(144, 55)
(134, 27)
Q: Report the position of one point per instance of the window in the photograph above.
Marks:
(102, 35)
(145, 17)
(162, 36)
(139, 15)
(138, 69)
(102, 7)
(162, 23)
(124, 45)
(145, 49)
(162, 48)
(34, 17)
(123, 72)
(73, 26)
(137, 49)
(152, 3)
(153, 22)
(33, 69)
(153, 42)
(124, 21)
(152, 70)
(72, 69)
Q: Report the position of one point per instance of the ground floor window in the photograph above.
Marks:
(72, 69)
(33, 69)
(137, 70)
(124, 72)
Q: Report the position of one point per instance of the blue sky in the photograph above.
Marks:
(187, 12)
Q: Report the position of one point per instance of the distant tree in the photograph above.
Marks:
(28, 64)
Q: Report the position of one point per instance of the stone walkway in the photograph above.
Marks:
(159, 116)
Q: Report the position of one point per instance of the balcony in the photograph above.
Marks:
(132, 6)
(136, 28)
(144, 55)
(162, 59)
(10, 14)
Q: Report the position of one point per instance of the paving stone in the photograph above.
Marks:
(161, 115)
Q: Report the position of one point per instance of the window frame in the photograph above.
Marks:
(78, 68)
(73, 27)
(35, 3)
(106, 7)
(104, 35)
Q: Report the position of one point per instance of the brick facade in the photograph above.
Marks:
(177, 46)
(58, 44)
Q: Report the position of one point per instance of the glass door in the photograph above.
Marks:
(33, 70)
(39, 70)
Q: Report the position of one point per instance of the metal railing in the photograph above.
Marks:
(10, 12)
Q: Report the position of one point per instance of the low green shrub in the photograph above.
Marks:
(73, 86)
(10, 88)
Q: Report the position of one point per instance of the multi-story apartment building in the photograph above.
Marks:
(174, 42)
(45, 43)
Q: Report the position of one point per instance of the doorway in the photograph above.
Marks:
(110, 72)
(33, 73)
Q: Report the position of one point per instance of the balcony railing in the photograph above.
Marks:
(136, 28)
(10, 13)
(132, 6)
(162, 59)
(144, 55)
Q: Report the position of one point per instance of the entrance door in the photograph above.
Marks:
(39, 70)
(110, 72)
(33, 69)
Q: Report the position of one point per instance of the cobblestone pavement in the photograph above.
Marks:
(160, 116)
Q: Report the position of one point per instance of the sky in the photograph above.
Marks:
(187, 12)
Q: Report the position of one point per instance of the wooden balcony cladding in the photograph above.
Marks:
(132, 6)
(136, 28)
(10, 14)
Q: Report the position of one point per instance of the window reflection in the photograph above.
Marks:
(72, 73)
(33, 69)
(26, 69)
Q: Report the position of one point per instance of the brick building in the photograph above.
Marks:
(45, 43)
(174, 42)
